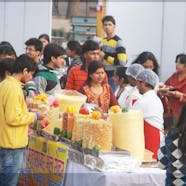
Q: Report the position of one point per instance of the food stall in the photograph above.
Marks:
(79, 145)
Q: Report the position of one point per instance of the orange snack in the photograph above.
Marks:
(96, 115)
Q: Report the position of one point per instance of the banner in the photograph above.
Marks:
(46, 163)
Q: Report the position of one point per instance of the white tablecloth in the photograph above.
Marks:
(79, 175)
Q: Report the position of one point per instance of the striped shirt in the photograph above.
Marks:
(76, 78)
(115, 53)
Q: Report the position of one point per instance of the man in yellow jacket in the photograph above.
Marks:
(14, 120)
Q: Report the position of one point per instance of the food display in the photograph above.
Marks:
(98, 135)
(50, 106)
(128, 132)
(94, 136)
(52, 120)
(70, 98)
(68, 122)
(39, 101)
(94, 132)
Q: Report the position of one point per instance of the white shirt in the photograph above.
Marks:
(133, 94)
(152, 108)
(123, 96)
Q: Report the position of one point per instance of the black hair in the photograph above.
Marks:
(63, 80)
(144, 56)
(182, 58)
(35, 42)
(6, 50)
(54, 50)
(8, 45)
(121, 73)
(74, 46)
(90, 45)
(109, 18)
(6, 65)
(93, 66)
(45, 36)
(22, 62)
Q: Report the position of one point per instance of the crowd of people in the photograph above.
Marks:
(99, 71)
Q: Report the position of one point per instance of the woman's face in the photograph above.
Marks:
(148, 64)
(44, 42)
(98, 76)
(180, 67)
(116, 79)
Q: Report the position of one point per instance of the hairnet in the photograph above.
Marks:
(133, 70)
(148, 76)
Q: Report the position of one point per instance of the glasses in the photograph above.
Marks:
(29, 49)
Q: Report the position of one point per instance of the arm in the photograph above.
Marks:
(30, 89)
(16, 113)
(118, 54)
(121, 53)
(162, 155)
(177, 94)
(41, 84)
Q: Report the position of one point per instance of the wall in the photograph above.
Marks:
(21, 20)
(159, 27)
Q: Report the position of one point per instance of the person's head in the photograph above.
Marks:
(181, 63)
(33, 48)
(6, 52)
(63, 81)
(90, 51)
(146, 80)
(120, 76)
(96, 72)
(109, 23)
(6, 65)
(25, 67)
(73, 49)
(132, 71)
(181, 125)
(44, 38)
(148, 60)
(54, 55)
(8, 44)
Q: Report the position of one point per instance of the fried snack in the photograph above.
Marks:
(54, 120)
(98, 133)
(79, 123)
(93, 132)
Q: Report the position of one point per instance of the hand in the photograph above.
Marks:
(177, 94)
(41, 115)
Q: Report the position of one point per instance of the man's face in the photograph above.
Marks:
(108, 27)
(141, 86)
(27, 76)
(59, 61)
(3, 56)
(93, 55)
(32, 52)
(69, 52)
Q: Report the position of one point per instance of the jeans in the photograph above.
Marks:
(11, 161)
(111, 83)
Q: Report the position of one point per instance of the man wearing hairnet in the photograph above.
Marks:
(131, 89)
(152, 109)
